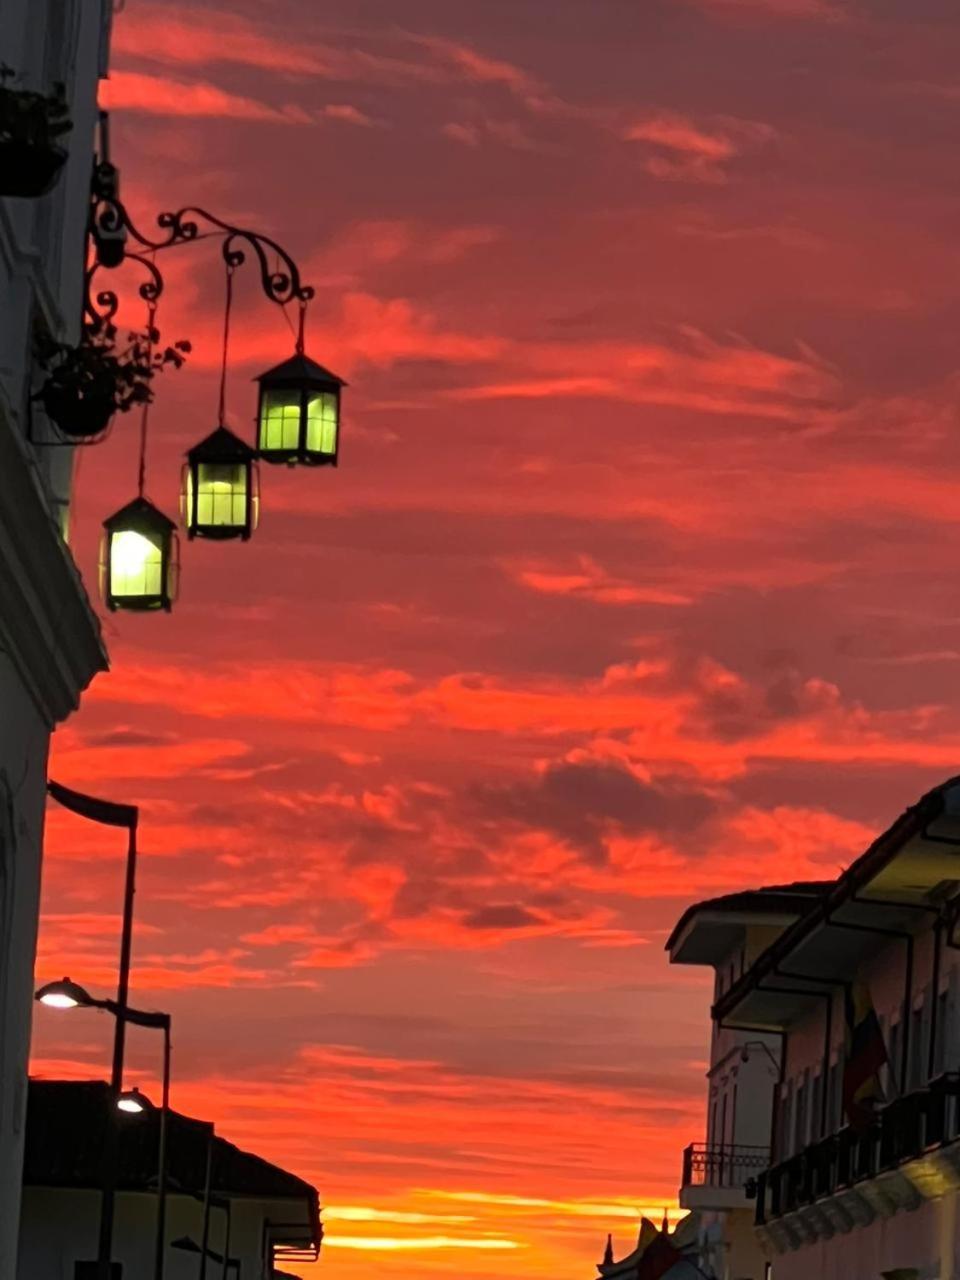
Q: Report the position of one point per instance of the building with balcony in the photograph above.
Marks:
(50, 645)
(728, 934)
(843, 1201)
(259, 1217)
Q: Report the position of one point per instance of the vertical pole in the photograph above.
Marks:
(111, 1151)
(162, 1170)
(205, 1239)
(226, 1243)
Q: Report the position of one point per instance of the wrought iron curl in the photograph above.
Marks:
(109, 218)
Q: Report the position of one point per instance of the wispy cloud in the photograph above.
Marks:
(803, 10)
(681, 149)
(162, 96)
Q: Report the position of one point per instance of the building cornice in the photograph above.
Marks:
(48, 628)
(911, 825)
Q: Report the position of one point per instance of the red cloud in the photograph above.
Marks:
(679, 148)
(161, 96)
(817, 10)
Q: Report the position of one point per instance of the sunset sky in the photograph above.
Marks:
(637, 582)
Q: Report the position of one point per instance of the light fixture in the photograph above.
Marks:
(138, 558)
(298, 419)
(133, 1102)
(220, 493)
(63, 995)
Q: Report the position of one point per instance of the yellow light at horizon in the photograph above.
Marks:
(387, 1243)
(577, 1208)
(362, 1213)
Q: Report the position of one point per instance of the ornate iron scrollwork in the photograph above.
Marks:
(111, 227)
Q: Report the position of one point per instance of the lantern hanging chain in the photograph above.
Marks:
(226, 341)
(301, 327)
(145, 411)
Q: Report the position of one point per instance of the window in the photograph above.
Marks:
(917, 1064)
(784, 1147)
(893, 1066)
(834, 1100)
(800, 1113)
(816, 1108)
(940, 1048)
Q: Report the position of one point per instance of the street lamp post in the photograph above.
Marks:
(125, 816)
(70, 995)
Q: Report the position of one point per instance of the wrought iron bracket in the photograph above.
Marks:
(111, 228)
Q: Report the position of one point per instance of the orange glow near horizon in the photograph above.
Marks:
(633, 585)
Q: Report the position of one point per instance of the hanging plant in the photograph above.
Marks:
(87, 384)
(30, 124)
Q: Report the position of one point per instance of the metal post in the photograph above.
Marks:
(162, 1157)
(127, 816)
(112, 1143)
(226, 1243)
(205, 1238)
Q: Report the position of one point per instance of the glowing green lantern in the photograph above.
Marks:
(299, 415)
(220, 495)
(138, 558)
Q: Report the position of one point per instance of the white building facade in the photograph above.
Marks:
(728, 934)
(844, 1202)
(50, 645)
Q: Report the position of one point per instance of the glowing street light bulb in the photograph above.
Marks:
(63, 995)
(58, 1000)
(133, 1102)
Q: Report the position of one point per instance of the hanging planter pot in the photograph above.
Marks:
(77, 414)
(30, 155)
(87, 384)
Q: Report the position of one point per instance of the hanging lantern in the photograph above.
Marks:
(220, 494)
(138, 558)
(299, 415)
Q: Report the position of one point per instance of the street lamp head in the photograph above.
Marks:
(220, 492)
(133, 1102)
(138, 558)
(299, 415)
(63, 995)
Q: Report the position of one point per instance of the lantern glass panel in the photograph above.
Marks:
(280, 421)
(221, 495)
(322, 422)
(136, 564)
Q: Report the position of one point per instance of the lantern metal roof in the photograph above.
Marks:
(140, 513)
(298, 370)
(221, 445)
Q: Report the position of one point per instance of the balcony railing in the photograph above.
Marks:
(904, 1130)
(730, 1167)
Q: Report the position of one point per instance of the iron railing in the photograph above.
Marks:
(903, 1130)
(724, 1166)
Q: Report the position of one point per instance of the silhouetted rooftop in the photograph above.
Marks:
(66, 1123)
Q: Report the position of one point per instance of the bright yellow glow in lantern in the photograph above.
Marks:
(280, 422)
(136, 564)
(299, 415)
(138, 560)
(220, 496)
(323, 412)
